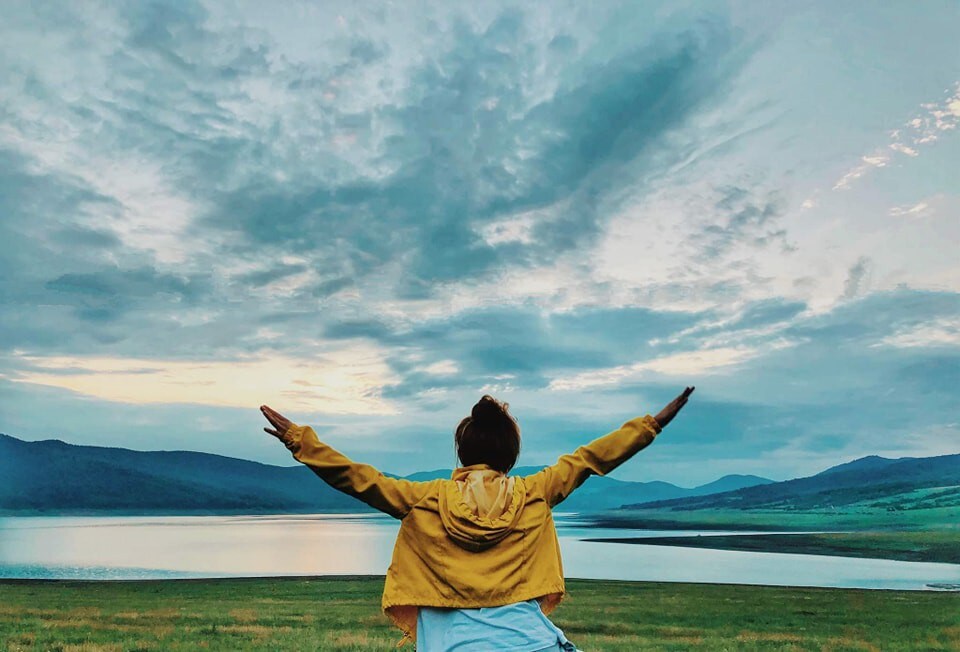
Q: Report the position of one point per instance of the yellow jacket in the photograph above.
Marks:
(479, 539)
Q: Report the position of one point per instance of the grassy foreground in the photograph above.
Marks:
(343, 613)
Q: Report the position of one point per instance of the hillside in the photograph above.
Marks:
(602, 493)
(52, 476)
(873, 482)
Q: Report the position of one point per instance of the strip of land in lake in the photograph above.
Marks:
(927, 545)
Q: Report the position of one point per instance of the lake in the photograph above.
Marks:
(155, 547)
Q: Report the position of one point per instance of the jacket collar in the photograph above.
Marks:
(462, 471)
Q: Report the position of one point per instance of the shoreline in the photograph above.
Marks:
(585, 581)
(934, 546)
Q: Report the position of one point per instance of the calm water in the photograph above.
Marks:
(148, 547)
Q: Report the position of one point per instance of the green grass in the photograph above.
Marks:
(916, 545)
(326, 613)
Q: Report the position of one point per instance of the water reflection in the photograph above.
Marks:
(129, 547)
(212, 545)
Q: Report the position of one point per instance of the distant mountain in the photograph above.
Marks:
(52, 476)
(729, 483)
(425, 476)
(906, 483)
(603, 493)
(868, 463)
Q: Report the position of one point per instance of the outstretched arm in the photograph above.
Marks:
(603, 455)
(393, 496)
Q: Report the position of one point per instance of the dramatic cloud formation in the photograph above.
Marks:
(367, 215)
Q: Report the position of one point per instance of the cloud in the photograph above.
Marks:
(916, 210)
(878, 159)
(858, 279)
(539, 167)
(690, 364)
(942, 332)
(919, 131)
(222, 190)
(109, 291)
(745, 220)
(345, 381)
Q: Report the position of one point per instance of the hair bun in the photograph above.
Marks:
(487, 410)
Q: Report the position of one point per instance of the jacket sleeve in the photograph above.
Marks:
(601, 456)
(394, 496)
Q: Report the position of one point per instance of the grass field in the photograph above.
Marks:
(327, 613)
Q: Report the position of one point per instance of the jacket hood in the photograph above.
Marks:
(480, 506)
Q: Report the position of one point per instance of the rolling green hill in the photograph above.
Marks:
(873, 482)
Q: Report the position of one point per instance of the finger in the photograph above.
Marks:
(273, 417)
(276, 417)
(269, 410)
(272, 432)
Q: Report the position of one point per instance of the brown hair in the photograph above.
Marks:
(490, 435)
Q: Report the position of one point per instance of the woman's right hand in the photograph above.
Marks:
(666, 414)
(280, 423)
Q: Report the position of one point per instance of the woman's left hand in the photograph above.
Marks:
(280, 423)
(666, 414)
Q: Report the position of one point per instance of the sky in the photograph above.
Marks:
(367, 215)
